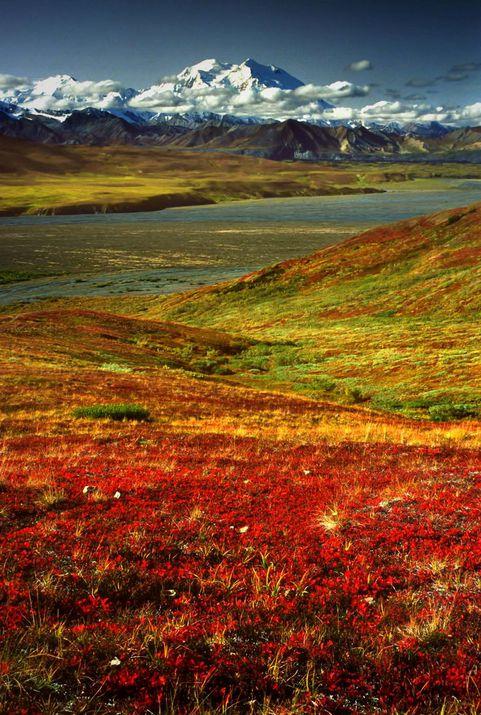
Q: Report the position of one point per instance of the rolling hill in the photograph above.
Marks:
(236, 549)
(44, 178)
(389, 318)
(221, 531)
(38, 178)
(89, 339)
(222, 534)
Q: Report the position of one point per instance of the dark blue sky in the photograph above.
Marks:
(139, 41)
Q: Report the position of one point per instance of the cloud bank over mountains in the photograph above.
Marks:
(385, 112)
(246, 90)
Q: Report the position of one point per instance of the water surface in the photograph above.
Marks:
(176, 249)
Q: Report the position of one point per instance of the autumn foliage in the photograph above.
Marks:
(242, 552)
(175, 539)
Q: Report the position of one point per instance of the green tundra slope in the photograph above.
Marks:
(390, 318)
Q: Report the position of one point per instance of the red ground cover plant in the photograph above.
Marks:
(241, 552)
(239, 575)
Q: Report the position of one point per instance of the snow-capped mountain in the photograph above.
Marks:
(62, 93)
(249, 90)
(426, 129)
(190, 120)
(9, 109)
(248, 75)
(220, 93)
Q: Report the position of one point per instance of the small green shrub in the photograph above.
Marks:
(209, 363)
(113, 412)
(287, 356)
(448, 412)
(386, 313)
(356, 395)
(185, 353)
(114, 367)
(454, 219)
(423, 402)
(254, 358)
(322, 383)
(387, 402)
(17, 276)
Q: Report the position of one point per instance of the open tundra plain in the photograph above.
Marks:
(260, 496)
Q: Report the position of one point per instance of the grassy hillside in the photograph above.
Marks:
(36, 178)
(173, 541)
(43, 179)
(232, 551)
(389, 318)
(113, 343)
(53, 361)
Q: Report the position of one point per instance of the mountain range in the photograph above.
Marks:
(201, 90)
(180, 111)
(287, 140)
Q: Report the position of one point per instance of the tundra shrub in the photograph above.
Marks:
(113, 412)
(114, 367)
(449, 412)
(356, 395)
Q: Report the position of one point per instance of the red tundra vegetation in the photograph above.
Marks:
(242, 551)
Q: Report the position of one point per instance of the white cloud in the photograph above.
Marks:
(306, 102)
(10, 81)
(470, 114)
(332, 92)
(360, 66)
(270, 102)
(62, 92)
(403, 112)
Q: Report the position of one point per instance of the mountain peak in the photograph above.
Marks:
(255, 65)
(250, 62)
(57, 79)
(250, 74)
(52, 85)
(204, 65)
(265, 76)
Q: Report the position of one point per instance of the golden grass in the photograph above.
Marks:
(83, 179)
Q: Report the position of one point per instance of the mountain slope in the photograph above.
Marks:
(292, 139)
(286, 140)
(390, 316)
(423, 251)
(295, 140)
